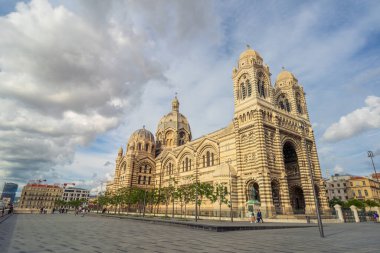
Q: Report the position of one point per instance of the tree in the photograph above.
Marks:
(335, 201)
(354, 202)
(371, 203)
(205, 190)
(220, 193)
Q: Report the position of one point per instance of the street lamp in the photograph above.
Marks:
(320, 225)
(370, 155)
(229, 173)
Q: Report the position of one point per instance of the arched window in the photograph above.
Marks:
(204, 161)
(242, 87)
(249, 88)
(187, 164)
(298, 103)
(261, 88)
(146, 147)
(139, 180)
(283, 103)
(183, 165)
(139, 146)
(208, 158)
(212, 159)
(145, 168)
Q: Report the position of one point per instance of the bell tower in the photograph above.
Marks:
(251, 81)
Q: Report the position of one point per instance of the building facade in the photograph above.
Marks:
(337, 187)
(268, 148)
(39, 195)
(74, 193)
(363, 188)
(9, 192)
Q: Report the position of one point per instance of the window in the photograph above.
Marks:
(332, 185)
(139, 180)
(351, 184)
(212, 159)
(249, 88)
(208, 158)
(144, 180)
(344, 184)
(146, 147)
(298, 103)
(204, 161)
(242, 87)
(189, 164)
(283, 103)
(260, 88)
(139, 146)
(339, 191)
(148, 180)
(338, 185)
(363, 182)
(359, 193)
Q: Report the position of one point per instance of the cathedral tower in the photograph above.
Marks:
(173, 129)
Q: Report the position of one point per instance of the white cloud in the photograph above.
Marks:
(338, 169)
(356, 122)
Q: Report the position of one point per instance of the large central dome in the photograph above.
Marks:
(173, 129)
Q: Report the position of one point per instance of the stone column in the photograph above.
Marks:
(339, 212)
(265, 187)
(354, 209)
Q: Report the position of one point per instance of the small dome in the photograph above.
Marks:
(250, 52)
(285, 75)
(142, 135)
(120, 151)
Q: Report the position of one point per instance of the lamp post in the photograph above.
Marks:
(370, 155)
(144, 198)
(229, 173)
(196, 192)
(320, 225)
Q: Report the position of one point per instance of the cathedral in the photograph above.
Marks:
(268, 148)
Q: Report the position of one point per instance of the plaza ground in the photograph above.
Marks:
(69, 233)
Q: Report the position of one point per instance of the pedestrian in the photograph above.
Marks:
(251, 216)
(375, 216)
(259, 217)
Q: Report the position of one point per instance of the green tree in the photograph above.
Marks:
(335, 201)
(354, 202)
(220, 193)
(371, 203)
(205, 191)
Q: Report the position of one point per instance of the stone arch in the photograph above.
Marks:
(297, 199)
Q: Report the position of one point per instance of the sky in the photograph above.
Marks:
(78, 77)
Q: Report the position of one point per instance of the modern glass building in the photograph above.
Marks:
(9, 191)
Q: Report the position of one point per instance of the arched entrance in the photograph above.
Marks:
(297, 199)
(276, 196)
(292, 170)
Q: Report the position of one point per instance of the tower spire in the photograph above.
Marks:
(175, 104)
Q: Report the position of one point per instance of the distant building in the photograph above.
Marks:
(336, 187)
(8, 191)
(40, 195)
(74, 193)
(363, 188)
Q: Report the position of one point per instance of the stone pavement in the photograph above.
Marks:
(69, 233)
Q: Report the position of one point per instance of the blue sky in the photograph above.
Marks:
(78, 77)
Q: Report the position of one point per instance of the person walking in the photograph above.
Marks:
(375, 217)
(251, 216)
(259, 217)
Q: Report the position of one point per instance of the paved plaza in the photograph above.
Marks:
(69, 233)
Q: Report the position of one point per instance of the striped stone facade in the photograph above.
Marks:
(265, 147)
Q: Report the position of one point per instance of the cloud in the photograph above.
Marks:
(108, 163)
(338, 169)
(356, 122)
(72, 72)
